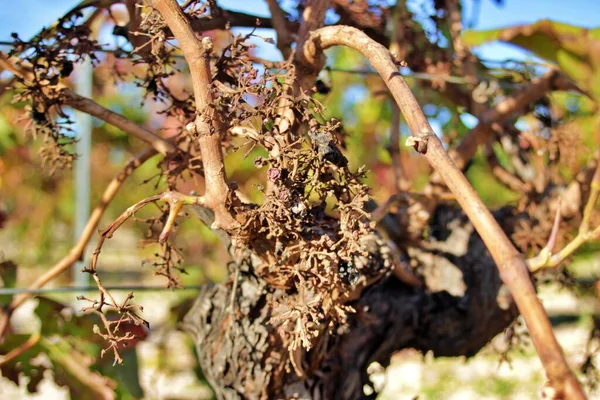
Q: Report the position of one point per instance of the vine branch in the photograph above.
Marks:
(511, 264)
(208, 124)
(284, 36)
(94, 109)
(502, 111)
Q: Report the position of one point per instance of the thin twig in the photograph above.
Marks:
(506, 108)
(547, 259)
(593, 197)
(6, 64)
(281, 65)
(81, 289)
(76, 253)
(16, 352)
(134, 12)
(128, 310)
(401, 182)
(502, 174)
(94, 109)
(175, 200)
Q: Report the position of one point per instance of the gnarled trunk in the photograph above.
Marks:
(461, 307)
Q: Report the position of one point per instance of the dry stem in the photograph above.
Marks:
(402, 183)
(92, 108)
(208, 123)
(506, 108)
(127, 310)
(504, 176)
(284, 37)
(547, 259)
(464, 59)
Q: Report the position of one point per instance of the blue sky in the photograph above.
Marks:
(578, 12)
(584, 13)
(26, 16)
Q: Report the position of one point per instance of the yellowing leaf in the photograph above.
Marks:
(574, 49)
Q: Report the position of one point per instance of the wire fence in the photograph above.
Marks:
(363, 71)
(8, 43)
(85, 289)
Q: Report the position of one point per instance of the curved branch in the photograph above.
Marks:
(94, 109)
(133, 26)
(16, 352)
(76, 253)
(307, 65)
(506, 108)
(509, 180)
(224, 19)
(511, 264)
(313, 17)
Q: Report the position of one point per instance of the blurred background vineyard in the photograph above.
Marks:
(37, 209)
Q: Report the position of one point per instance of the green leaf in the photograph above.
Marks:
(574, 49)
(8, 278)
(74, 351)
(71, 369)
(60, 319)
(21, 365)
(8, 139)
(126, 375)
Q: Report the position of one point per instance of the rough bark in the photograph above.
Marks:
(461, 307)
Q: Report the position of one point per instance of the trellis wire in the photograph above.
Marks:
(414, 75)
(68, 289)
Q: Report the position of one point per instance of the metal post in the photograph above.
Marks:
(83, 86)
